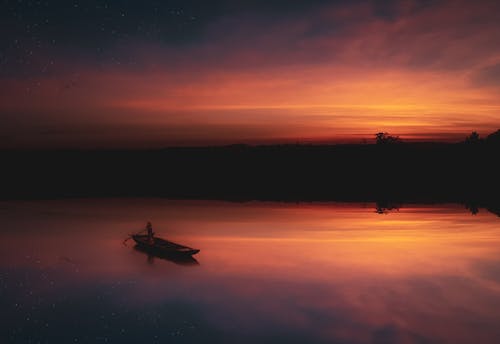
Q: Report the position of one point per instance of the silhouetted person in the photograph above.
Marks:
(149, 228)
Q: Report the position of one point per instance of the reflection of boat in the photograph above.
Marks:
(159, 246)
(180, 259)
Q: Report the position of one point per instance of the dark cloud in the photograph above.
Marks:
(93, 24)
(35, 35)
(393, 334)
(43, 38)
(392, 10)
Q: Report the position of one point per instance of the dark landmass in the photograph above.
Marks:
(467, 172)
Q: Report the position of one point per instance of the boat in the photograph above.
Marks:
(161, 246)
(179, 259)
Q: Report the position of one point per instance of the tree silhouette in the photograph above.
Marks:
(494, 138)
(473, 138)
(383, 138)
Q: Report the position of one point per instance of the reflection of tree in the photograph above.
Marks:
(472, 207)
(384, 138)
(383, 207)
(495, 209)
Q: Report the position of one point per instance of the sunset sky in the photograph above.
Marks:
(160, 73)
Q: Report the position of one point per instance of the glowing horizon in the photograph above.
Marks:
(337, 73)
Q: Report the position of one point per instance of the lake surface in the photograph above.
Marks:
(266, 273)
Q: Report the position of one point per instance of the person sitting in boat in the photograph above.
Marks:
(149, 228)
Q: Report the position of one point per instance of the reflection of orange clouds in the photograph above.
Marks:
(423, 270)
(338, 240)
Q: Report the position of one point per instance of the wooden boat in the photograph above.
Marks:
(179, 259)
(162, 246)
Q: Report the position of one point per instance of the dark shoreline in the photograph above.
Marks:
(387, 174)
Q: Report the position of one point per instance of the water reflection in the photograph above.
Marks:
(307, 273)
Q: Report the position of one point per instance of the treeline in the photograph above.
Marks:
(465, 172)
(473, 138)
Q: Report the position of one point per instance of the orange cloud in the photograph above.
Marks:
(340, 75)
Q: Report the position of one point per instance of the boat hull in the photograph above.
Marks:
(161, 246)
(179, 259)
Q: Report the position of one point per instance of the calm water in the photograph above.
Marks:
(266, 273)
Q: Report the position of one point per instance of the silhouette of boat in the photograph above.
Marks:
(179, 259)
(158, 246)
